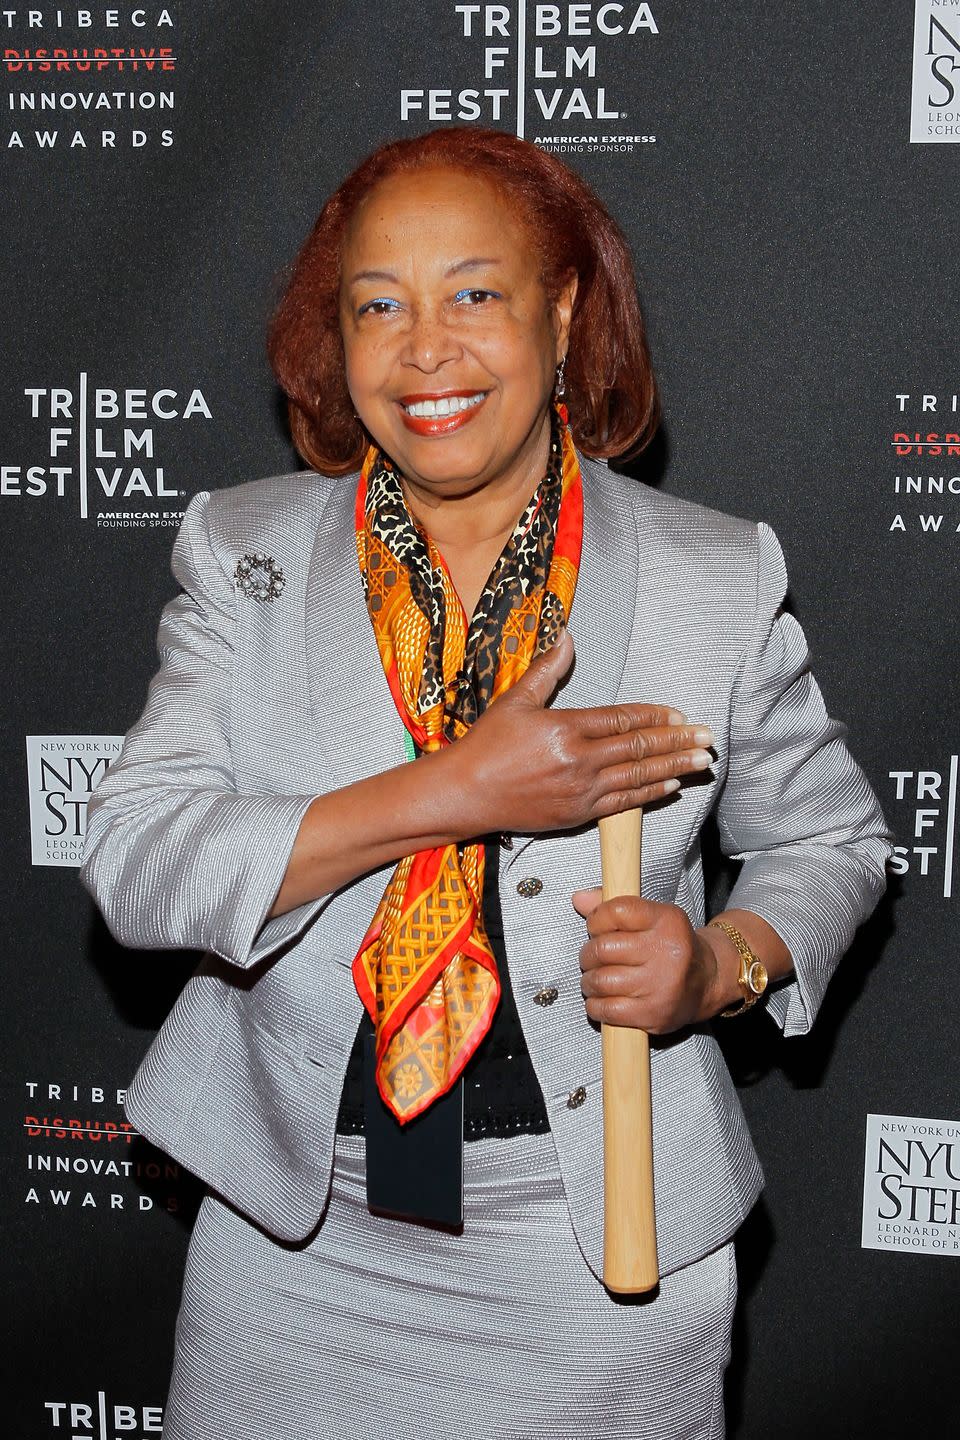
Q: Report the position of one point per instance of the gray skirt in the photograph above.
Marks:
(378, 1329)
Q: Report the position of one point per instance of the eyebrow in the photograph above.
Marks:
(475, 262)
(373, 275)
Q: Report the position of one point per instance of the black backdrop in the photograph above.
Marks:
(786, 177)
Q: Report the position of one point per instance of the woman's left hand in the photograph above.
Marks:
(644, 965)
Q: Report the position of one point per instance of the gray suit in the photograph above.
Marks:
(258, 707)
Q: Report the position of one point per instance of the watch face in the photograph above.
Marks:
(757, 977)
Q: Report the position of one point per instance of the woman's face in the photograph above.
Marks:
(451, 343)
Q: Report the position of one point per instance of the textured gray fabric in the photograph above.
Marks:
(258, 707)
(380, 1329)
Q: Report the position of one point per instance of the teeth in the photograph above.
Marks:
(447, 405)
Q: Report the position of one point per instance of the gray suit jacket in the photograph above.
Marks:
(258, 707)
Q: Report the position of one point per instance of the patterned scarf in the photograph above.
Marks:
(425, 970)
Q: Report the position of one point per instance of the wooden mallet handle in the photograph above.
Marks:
(629, 1220)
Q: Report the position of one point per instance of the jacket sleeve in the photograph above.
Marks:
(796, 808)
(174, 856)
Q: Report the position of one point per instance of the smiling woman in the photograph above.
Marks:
(523, 193)
(387, 1069)
(455, 382)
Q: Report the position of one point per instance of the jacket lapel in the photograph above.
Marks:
(601, 625)
(351, 699)
(604, 603)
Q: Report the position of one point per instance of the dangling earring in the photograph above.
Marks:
(560, 388)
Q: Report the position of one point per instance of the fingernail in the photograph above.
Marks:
(670, 785)
(700, 759)
(704, 735)
(676, 717)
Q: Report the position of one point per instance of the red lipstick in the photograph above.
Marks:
(433, 426)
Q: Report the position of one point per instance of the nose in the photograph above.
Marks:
(430, 342)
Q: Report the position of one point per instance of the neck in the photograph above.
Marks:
(489, 510)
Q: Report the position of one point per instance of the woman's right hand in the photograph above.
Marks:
(525, 768)
(520, 768)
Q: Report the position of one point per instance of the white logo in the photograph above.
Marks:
(935, 111)
(924, 443)
(543, 66)
(91, 80)
(924, 814)
(102, 1420)
(82, 1153)
(102, 445)
(62, 773)
(911, 1185)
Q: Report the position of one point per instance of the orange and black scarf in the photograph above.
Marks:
(425, 970)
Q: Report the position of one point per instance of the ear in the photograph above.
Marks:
(563, 313)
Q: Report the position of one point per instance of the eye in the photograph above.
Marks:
(476, 297)
(379, 306)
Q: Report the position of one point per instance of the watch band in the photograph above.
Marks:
(752, 978)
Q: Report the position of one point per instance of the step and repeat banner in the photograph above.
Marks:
(787, 178)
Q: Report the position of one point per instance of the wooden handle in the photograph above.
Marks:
(629, 1220)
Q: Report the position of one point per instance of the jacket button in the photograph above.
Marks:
(576, 1098)
(546, 996)
(506, 841)
(529, 887)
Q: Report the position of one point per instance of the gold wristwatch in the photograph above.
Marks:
(753, 976)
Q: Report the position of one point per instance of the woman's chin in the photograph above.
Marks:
(448, 462)
(461, 460)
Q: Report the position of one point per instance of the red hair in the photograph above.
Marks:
(610, 391)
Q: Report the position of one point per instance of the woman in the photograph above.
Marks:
(389, 942)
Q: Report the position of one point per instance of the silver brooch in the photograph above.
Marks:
(257, 577)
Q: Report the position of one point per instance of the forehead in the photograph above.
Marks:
(441, 213)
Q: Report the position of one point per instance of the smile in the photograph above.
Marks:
(433, 415)
(442, 405)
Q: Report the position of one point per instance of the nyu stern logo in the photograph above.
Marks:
(911, 1185)
(62, 772)
(935, 109)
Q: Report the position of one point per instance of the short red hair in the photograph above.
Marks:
(610, 389)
